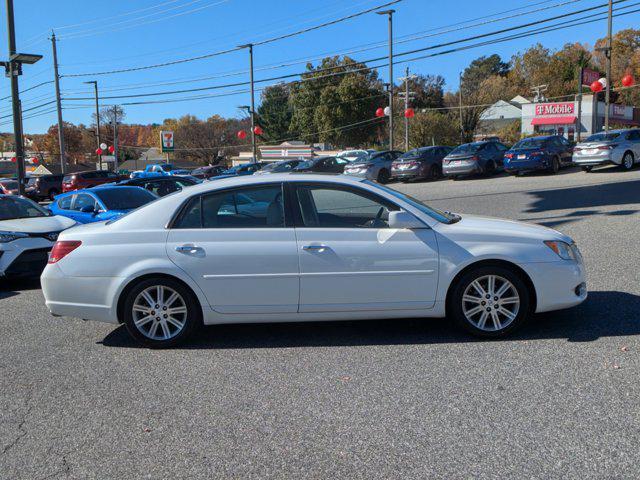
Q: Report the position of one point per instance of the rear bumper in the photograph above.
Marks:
(406, 173)
(593, 160)
(79, 297)
(461, 168)
(526, 165)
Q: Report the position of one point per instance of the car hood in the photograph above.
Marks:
(488, 226)
(37, 224)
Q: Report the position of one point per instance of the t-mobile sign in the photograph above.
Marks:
(565, 108)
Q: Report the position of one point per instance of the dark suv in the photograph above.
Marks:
(43, 187)
(80, 180)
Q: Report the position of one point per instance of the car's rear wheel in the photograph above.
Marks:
(627, 161)
(383, 176)
(161, 312)
(490, 301)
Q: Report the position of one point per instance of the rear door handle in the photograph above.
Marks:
(192, 249)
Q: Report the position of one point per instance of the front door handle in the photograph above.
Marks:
(315, 248)
(192, 249)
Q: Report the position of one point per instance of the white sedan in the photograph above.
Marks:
(315, 247)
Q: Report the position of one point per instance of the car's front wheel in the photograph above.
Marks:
(490, 301)
(555, 165)
(161, 312)
(627, 161)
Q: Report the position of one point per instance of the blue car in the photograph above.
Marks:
(548, 153)
(100, 203)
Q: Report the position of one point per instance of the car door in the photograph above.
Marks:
(350, 260)
(243, 256)
(633, 137)
(83, 201)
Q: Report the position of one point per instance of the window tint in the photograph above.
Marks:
(83, 200)
(633, 135)
(88, 175)
(335, 207)
(162, 187)
(124, 198)
(259, 207)
(501, 147)
(65, 203)
(16, 207)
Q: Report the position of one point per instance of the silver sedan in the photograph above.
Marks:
(617, 147)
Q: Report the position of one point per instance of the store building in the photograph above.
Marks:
(569, 118)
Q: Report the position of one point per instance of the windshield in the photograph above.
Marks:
(10, 184)
(125, 198)
(307, 164)
(603, 137)
(442, 217)
(32, 181)
(530, 143)
(466, 148)
(16, 207)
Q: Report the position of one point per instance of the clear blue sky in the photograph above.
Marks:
(97, 36)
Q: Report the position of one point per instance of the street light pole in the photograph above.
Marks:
(390, 13)
(95, 89)
(56, 78)
(607, 53)
(252, 111)
(14, 71)
(115, 138)
(460, 110)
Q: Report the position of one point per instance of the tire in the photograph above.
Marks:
(489, 321)
(435, 173)
(490, 168)
(159, 332)
(52, 194)
(383, 176)
(555, 165)
(627, 161)
(587, 169)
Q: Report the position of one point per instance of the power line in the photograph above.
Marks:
(222, 52)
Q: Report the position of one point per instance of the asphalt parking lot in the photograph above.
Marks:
(370, 399)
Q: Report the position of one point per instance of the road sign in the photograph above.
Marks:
(166, 138)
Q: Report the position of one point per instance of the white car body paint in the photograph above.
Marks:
(269, 274)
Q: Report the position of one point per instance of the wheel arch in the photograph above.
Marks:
(494, 262)
(146, 276)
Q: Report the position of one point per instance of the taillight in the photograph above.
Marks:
(62, 248)
(607, 147)
(475, 158)
(536, 154)
(508, 155)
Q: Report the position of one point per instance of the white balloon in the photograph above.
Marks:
(103, 146)
(603, 81)
(387, 111)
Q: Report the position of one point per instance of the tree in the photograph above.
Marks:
(339, 92)
(274, 113)
(433, 128)
(428, 91)
(72, 142)
(625, 58)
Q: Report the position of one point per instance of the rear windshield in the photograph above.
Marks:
(416, 152)
(16, 207)
(466, 148)
(528, 143)
(125, 198)
(603, 137)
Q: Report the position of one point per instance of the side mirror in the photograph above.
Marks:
(402, 219)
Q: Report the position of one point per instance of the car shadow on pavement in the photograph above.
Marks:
(12, 287)
(604, 314)
(588, 196)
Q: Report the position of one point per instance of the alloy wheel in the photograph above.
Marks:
(490, 303)
(159, 312)
(627, 161)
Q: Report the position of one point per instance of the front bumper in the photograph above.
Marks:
(461, 168)
(25, 257)
(558, 284)
(368, 174)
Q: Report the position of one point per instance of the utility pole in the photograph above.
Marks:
(607, 53)
(56, 78)
(252, 109)
(115, 138)
(95, 90)
(407, 96)
(460, 109)
(390, 13)
(579, 101)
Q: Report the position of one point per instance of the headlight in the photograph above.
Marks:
(11, 236)
(563, 250)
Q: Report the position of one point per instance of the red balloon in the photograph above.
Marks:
(627, 80)
(112, 149)
(13, 159)
(258, 130)
(242, 134)
(409, 113)
(380, 112)
(98, 151)
(34, 160)
(596, 86)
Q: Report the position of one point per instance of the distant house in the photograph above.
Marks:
(499, 115)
